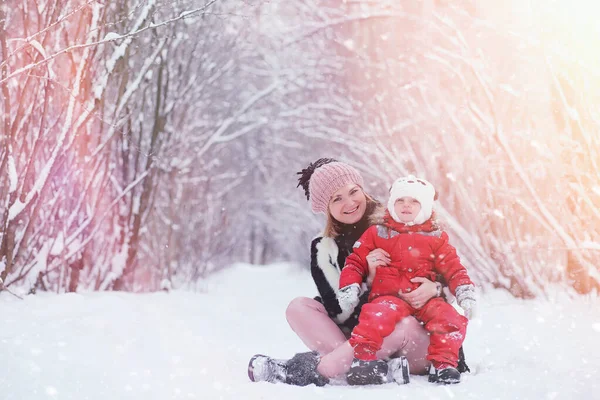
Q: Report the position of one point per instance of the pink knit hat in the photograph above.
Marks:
(328, 179)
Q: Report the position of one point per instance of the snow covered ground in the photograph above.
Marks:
(184, 345)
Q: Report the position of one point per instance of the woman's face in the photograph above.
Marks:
(348, 204)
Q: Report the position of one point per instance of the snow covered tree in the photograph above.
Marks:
(149, 143)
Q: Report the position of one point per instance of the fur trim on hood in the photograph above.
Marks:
(378, 216)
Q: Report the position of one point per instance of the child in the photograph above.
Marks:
(417, 248)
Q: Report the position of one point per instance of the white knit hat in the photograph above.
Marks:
(419, 189)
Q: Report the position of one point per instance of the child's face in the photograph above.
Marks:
(407, 209)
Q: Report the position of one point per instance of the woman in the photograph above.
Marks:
(336, 189)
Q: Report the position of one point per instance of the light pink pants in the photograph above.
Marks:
(309, 319)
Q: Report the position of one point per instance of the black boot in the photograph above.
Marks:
(378, 372)
(462, 364)
(301, 370)
(445, 375)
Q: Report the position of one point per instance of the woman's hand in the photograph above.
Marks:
(376, 258)
(421, 295)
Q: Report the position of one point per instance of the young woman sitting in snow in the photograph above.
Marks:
(418, 248)
(336, 189)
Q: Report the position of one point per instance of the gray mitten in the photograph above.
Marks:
(348, 299)
(465, 296)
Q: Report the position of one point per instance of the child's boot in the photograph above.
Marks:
(443, 373)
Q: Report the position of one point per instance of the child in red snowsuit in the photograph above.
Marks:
(417, 248)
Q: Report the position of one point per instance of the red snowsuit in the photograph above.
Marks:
(415, 251)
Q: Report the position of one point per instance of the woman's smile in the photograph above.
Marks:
(352, 210)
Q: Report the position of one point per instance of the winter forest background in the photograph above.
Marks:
(149, 143)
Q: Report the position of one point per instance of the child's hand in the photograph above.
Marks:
(349, 297)
(470, 308)
(376, 258)
(465, 296)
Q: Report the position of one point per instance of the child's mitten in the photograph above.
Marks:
(465, 296)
